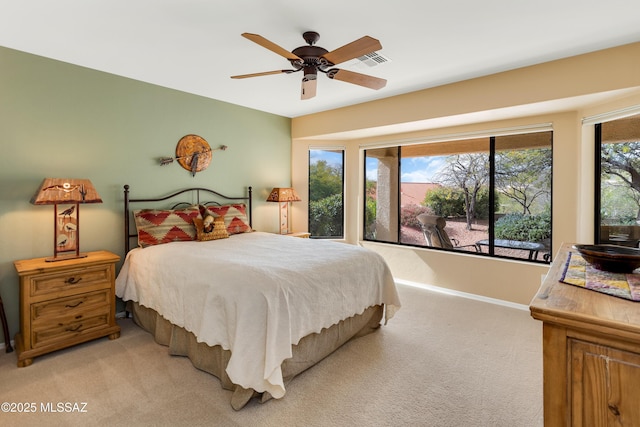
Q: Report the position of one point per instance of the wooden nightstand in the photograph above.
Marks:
(301, 234)
(65, 303)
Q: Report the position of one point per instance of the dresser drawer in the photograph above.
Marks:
(70, 308)
(64, 318)
(70, 281)
(53, 333)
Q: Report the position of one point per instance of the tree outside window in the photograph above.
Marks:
(618, 182)
(326, 193)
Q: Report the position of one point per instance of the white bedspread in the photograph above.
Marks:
(256, 294)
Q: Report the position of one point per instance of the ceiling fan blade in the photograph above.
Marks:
(264, 73)
(356, 48)
(271, 46)
(357, 78)
(309, 87)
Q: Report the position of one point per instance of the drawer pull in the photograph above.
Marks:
(74, 329)
(73, 305)
(73, 280)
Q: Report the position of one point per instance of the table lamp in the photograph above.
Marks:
(283, 196)
(66, 195)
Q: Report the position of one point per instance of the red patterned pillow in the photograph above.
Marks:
(157, 226)
(235, 217)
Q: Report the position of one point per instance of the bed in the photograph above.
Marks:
(251, 308)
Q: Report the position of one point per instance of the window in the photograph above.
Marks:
(381, 194)
(326, 193)
(617, 199)
(489, 195)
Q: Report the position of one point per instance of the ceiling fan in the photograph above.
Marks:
(313, 59)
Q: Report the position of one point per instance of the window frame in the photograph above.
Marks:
(343, 154)
(634, 113)
(597, 187)
(492, 188)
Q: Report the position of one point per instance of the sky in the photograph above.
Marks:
(414, 169)
(420, 169)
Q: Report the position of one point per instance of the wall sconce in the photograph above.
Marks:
(68, 193)
(283, 196)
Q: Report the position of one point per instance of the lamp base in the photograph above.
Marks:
(65, 257)
(284, 217)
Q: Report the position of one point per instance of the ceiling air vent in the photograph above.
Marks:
(373, 59)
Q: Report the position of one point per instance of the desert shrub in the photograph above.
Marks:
(482, 204)
(449, 202)
(370, 219)
(325, 217)
(530, 228)
(409, 213)
(445, 202)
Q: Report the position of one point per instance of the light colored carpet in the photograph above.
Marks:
(441, 361)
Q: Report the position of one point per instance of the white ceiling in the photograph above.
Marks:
(195, 45)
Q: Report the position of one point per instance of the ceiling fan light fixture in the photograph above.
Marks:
(309, 87)
(310, 72)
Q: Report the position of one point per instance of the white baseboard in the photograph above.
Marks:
(463, 294)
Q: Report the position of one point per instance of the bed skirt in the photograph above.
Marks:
(309, 351)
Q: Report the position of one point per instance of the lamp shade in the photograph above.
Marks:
(55, 191)
(283, 195)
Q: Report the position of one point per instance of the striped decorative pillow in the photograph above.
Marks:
(235, 216)
(157, 226)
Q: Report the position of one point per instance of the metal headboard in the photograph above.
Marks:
(205, 192)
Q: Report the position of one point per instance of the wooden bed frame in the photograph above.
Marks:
(219, 199)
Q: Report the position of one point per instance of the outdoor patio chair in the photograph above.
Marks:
(435, 234)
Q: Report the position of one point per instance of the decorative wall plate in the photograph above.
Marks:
(193, 153)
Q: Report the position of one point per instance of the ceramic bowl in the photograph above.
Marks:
(617, 259)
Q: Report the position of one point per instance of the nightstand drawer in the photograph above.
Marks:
(52, 333)
(70, 308)
(70, 281)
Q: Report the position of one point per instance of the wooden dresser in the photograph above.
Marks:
(591, 353)
(64, 303)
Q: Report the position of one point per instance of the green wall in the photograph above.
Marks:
(59, 120)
